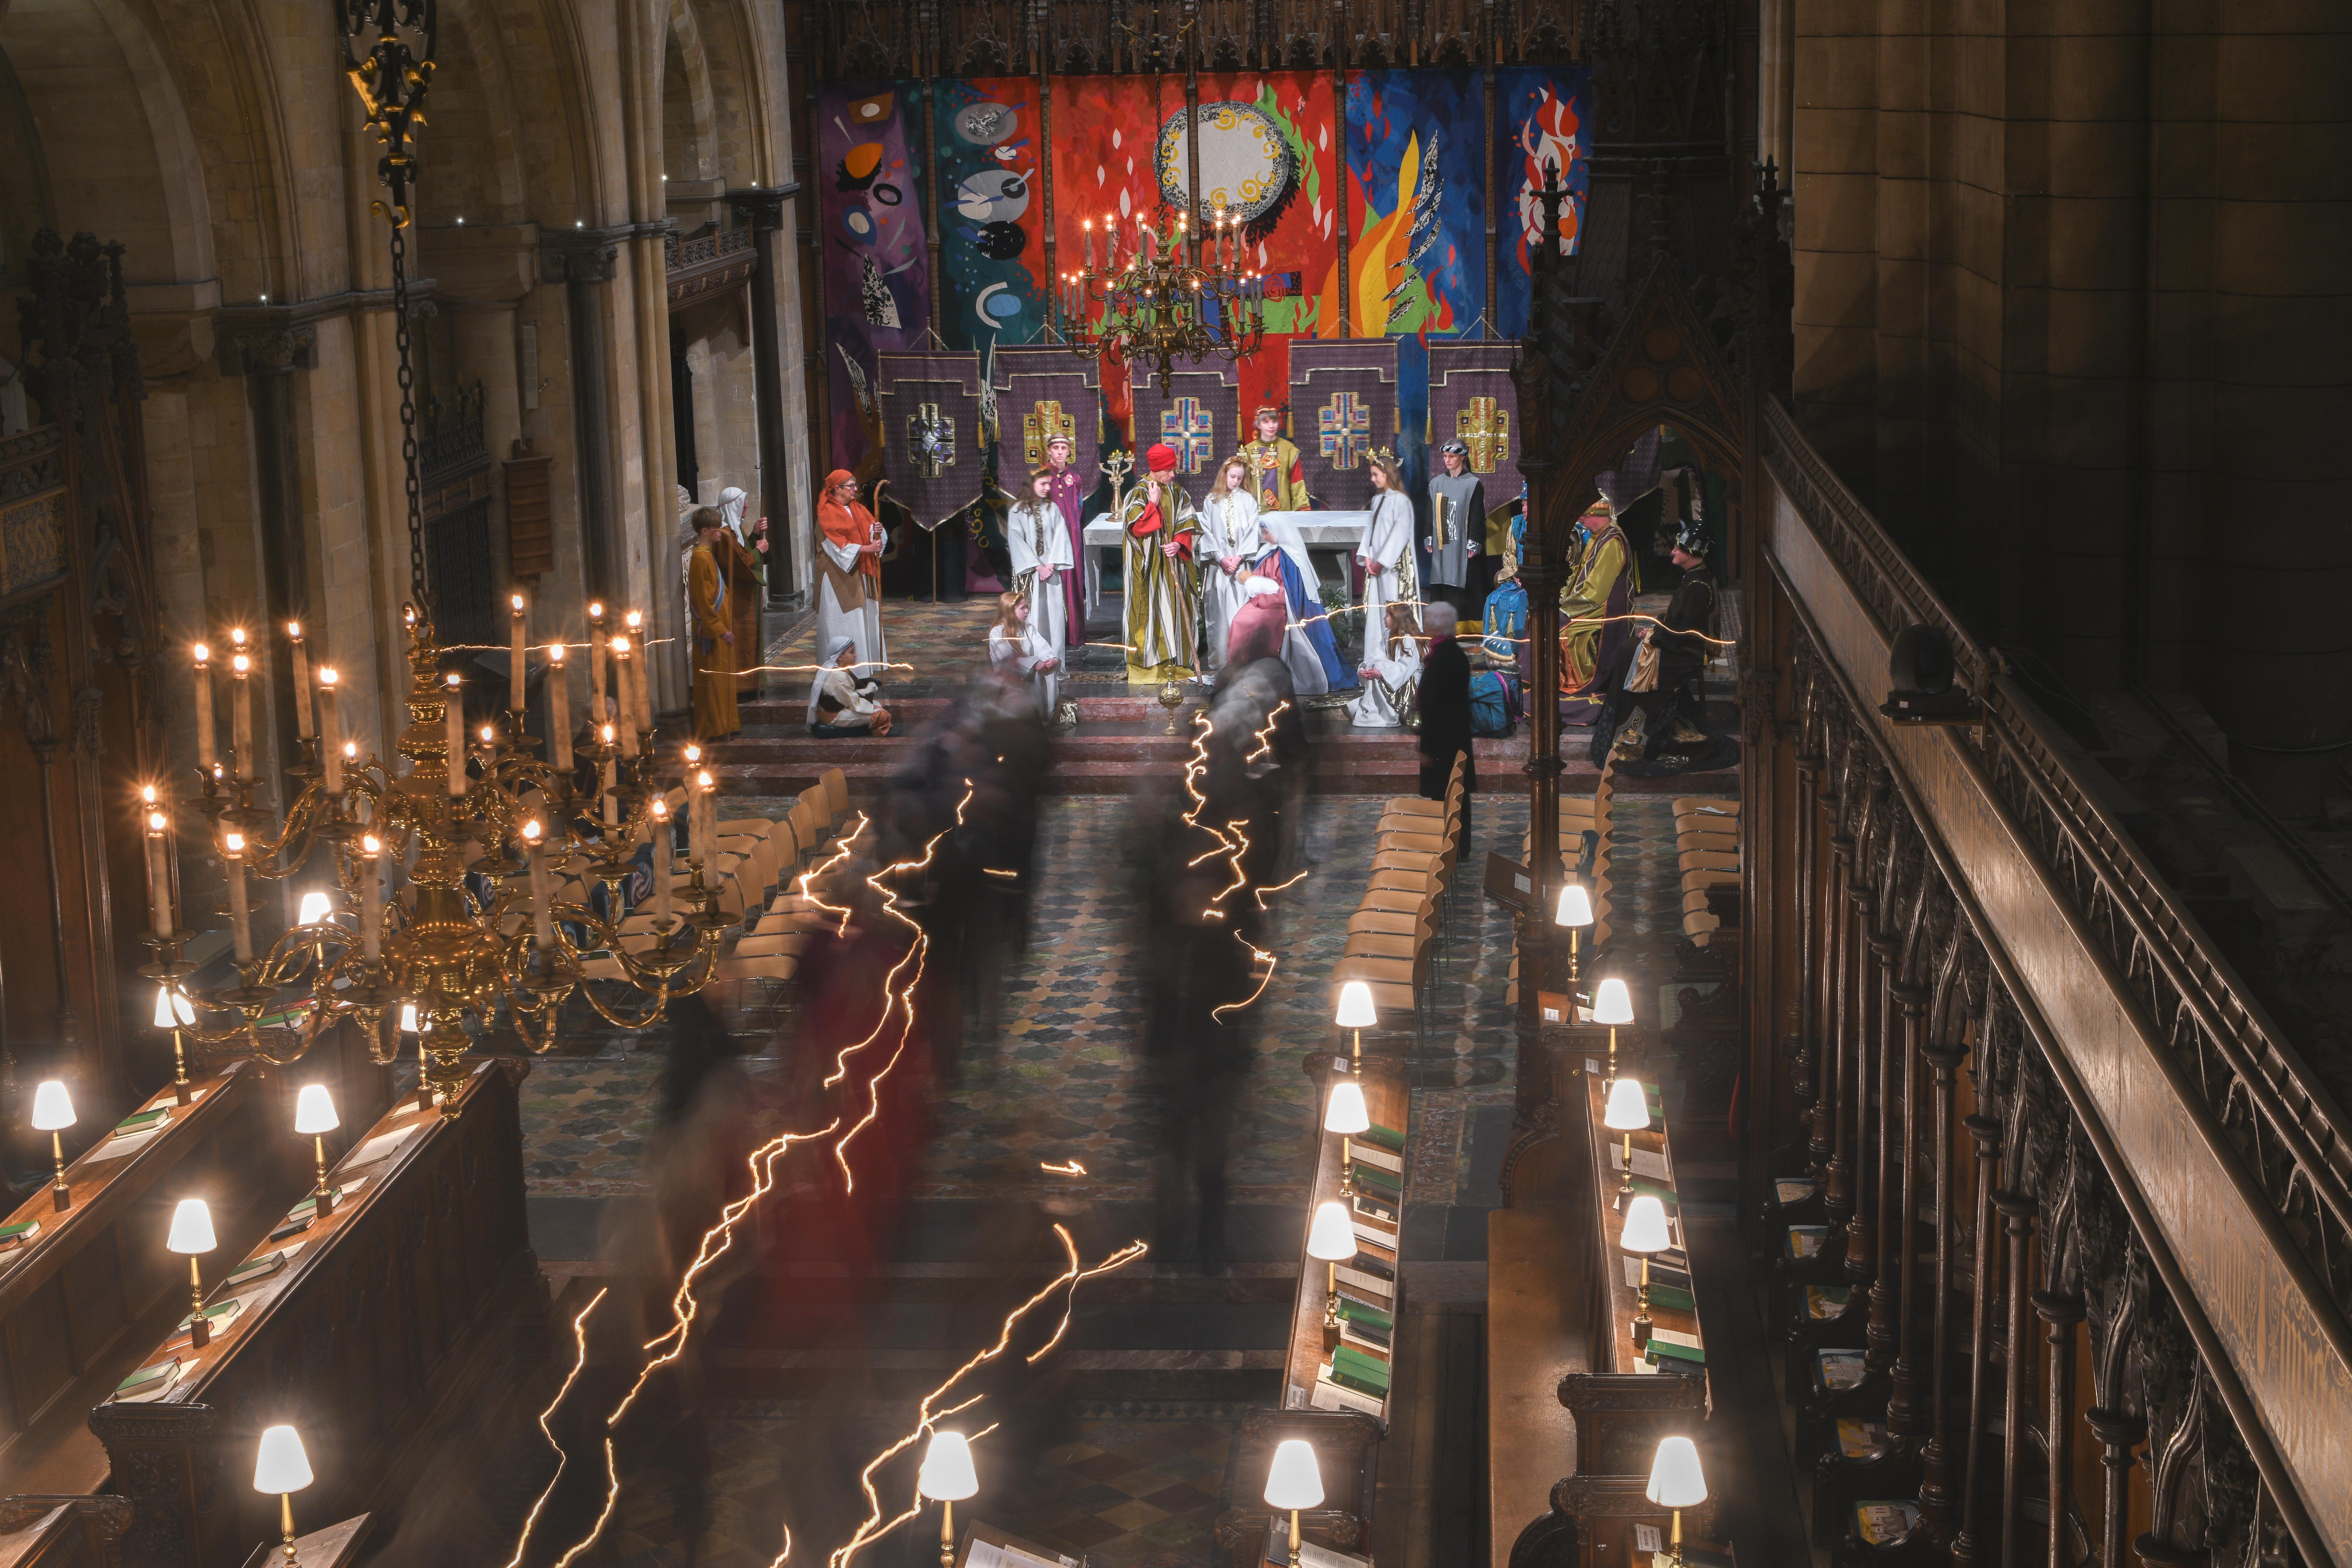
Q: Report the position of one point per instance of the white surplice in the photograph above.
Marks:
(1389, 691)
(862, 626)
(1022, 656)
(1038, 537)
(1231, 525)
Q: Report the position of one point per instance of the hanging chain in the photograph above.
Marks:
(422, 591)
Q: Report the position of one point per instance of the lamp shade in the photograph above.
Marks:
(192, 1227)
(1332, 1237)
(1575, 906)
(1629, 1107)
(172, 1009)
(314, 1112)
(1611, 1002)
(1294, 1480)
(947, 1475)
(52, 1108)
(281, 1465)
(1645, 1226)
(316, 907)
(1346, 1111)
(1355, 1009)
(1675, 1480)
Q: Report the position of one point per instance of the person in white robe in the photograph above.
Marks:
(1386, 551)
(849, 574)
(1392, 672)
(1016, 646)
(839, 703)
(1039, 541)
(1230, 542)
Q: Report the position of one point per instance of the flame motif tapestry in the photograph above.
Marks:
(1416, 202)
(1541, 115)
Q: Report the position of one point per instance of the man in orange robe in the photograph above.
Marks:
(849, 575)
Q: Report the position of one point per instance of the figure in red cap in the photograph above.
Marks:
(1163, 579)
(849, 575)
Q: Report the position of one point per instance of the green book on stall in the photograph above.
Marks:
(1356, 1364)
(141, 1121)
(310, 1204)
(1363, 1313)
(147, 1377)
(24, 1230)
(1381, 1137)
(1379, 1181)
(1661, 1348)
(1672, 1296)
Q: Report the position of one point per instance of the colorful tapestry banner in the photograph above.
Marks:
(1198, 416)
(1343, 406)
(1541, 115)
(877, 282)
(1473, 400)
(931, 449)
(991, 211)
(1041, 392)
(1416, 202)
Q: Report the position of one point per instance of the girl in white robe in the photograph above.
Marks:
(1391, 675)
(1228, 544)
(1039, 539)
(1015, 644)
(1387, 551)
(839, 703)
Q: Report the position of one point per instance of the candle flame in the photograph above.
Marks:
(233, 842)
(608, 734)
(621, 647)
(660, 806)
(370, 844)
(636, 619)
(147, 794)
(702, 781)
(595, 609)
(693, 754)
(489, 735)
(236, 636)
(327, 675)
(453, 680)
(555, 653)
(156, 822)
(240, 664)
(516, 600)
(203, 653)
(294, 630)
(351, 749)
(531, 831)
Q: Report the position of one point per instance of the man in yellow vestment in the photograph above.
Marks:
(1277, 478)
(1163, 579)
(1593, 632)
(713, 633)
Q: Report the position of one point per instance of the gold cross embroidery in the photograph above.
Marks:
(1484, 427)
(930, 440)
(1039, 427)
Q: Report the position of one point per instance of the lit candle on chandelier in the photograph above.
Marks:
(612, 800)
(641, 706)
(453, 711)
(371, 897)
(330, 746)
(206, 755)
(1110, 241)
(1087, 225)
(663, 832)
(542, 927)
(517, 666)
(704, 818)
(623, 692)
(301, 679)
(559, 707)
(596, 662)
(158, 869)
(240, 668)
(240, 921)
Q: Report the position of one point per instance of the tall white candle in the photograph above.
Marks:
(205, 755)
(641, 710)
(301, 679)
(559, 707)
(604, 787)
(542, 924)
(159, 864)
(371, 897)
(453, 727)
(595, 663)
(517, 666)
(706, 816)
(241, 715)
(624, 698)
(664, 847)
(240, 921)
(330, 731)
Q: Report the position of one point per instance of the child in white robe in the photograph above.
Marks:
(1039, 541)
(1228, 544)
(1391, 676)
(1015, 644)
(1387, 552)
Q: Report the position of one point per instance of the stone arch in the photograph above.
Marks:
(472, 150)
(688, 149)
(739, 95)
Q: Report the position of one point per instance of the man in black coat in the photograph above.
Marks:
(1445, 712)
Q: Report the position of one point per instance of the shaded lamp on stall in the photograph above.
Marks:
(1344, 1114)
(1331, 1239)
(1293, 1481)
(1645, 1233)
(1575, 913)
(1628, 1112)
(947, 1478)
(1676, 1482)
(173, 1013)
(280, 1466)
(192, 1237)
(1356, 1013)
(314, 1118)
(1612, 1004)
(53, 1113)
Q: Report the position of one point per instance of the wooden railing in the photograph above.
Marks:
(1961, 923)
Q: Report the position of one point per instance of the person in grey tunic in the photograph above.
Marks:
(1457, 530)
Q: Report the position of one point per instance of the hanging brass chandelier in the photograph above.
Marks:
(1178, 295)
(478, 932)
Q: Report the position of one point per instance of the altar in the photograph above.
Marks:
(1338, 533)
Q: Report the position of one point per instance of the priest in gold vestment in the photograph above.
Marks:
(1594, 631)
(713, 633)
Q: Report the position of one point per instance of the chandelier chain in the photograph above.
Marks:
(417, 586)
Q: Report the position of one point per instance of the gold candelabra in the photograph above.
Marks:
(1176, 297)
(446, 950)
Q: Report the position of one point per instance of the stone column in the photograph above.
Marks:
(583, 262)
(762, 208)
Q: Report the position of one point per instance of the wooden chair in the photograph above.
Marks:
(836, 793)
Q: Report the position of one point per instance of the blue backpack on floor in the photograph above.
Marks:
(1495, 704)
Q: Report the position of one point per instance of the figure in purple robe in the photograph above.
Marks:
(1069, 493)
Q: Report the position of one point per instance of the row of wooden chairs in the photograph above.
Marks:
(1706, 843)
(1391, 934)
